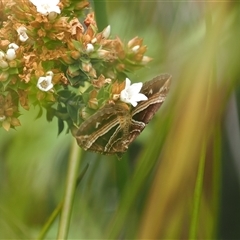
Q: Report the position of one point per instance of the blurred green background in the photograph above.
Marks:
(180, 178)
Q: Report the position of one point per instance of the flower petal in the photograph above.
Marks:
(13, 46)
(139, 97)
(133, 103)
(124, 96)
(135, 88)
(128, 83)
(106, 31)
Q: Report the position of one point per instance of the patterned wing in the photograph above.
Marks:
(106, 130)
(156, 90)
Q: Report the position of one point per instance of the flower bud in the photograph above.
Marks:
(106, 32)
(11, 54)
(90, 48)
(93, 103)
(4, 76)
(3, 64)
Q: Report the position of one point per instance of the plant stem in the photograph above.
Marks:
(50, 221)
(197, 194)
(73, 168)
(58, 209)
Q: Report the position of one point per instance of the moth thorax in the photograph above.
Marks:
(125, 121)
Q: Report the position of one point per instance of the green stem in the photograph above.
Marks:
(50, 221)
(73, 168)
(57, 210)
(197, 195)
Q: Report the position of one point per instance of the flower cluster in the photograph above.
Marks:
(50, 58)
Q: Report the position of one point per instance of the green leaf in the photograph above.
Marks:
(60, 125)
(73, 68)
(103, 95)
(50, 114)
(64, 95)
(13, 71)
(78, 45)
(5, 83)
(85, 97)
(78, 80)
(40, 113)
(48, 65)
(72, 112)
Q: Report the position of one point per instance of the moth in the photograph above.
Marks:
(116, 125)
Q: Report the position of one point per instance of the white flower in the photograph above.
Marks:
(45, 83)
(46, 6)
(10, 54)
(146, 60)
(23, 37)
(131, 93)
(94, 40)
(106, 32)
(90, 48)
(13, 46)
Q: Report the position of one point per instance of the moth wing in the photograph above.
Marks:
(156, 91)
(102, 132)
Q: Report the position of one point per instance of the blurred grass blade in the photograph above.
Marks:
(100, 10)
(50, 221)
(197, 195)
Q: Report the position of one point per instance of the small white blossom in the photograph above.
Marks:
(45, 83)
(23, 37)
(94, 40)
(145, 60)
(106, 32)
(13, 46)
(10, 54)
(90, 48)
(135, 48)
(46, 6)
(131, 93)
(102, 53)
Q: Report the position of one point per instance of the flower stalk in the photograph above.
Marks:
(72, 176)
